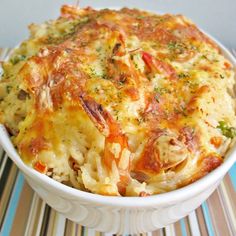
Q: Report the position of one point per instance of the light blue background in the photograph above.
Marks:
(218, 17)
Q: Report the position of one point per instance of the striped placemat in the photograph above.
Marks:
(22, 212)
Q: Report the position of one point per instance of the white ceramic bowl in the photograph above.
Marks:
(122, 214)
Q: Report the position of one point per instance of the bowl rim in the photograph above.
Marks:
(167, 198)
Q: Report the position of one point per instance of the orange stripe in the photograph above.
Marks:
(201, 221)
(51, 222)
(230, 190)
(22, 211)
(70, 228)
(187, 226)
(217, 214)
(159, 232)
(7, 192)
(227, 207)
(178, 228)
(34, 218)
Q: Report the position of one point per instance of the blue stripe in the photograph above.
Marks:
(232, 174)
(183, 227)
(207, 218)
(10, 214)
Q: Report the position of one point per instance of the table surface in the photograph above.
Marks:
(22, 212)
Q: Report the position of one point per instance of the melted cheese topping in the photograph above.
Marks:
(119, 102)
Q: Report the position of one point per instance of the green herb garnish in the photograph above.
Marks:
(227, 131)
(183, 75)
(140, 17)
(221, 76)
(8, 88)
(17, 59)
(157, 98)
(161, 91)
(172, 45)
(177, 47)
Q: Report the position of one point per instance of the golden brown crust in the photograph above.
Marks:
(145, 83)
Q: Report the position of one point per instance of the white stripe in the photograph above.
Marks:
(40, 218)
(35, 220)
(162, 232)
(59, 225)
(3, 165)
(91, 232)
(149, 234)
(170, 230)
(227, 208)
(194, 226)
(31, 216)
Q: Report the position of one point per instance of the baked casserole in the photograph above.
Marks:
(119, 102)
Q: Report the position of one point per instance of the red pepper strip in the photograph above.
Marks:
(40, 167)
(148, 59)
(156, 65)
